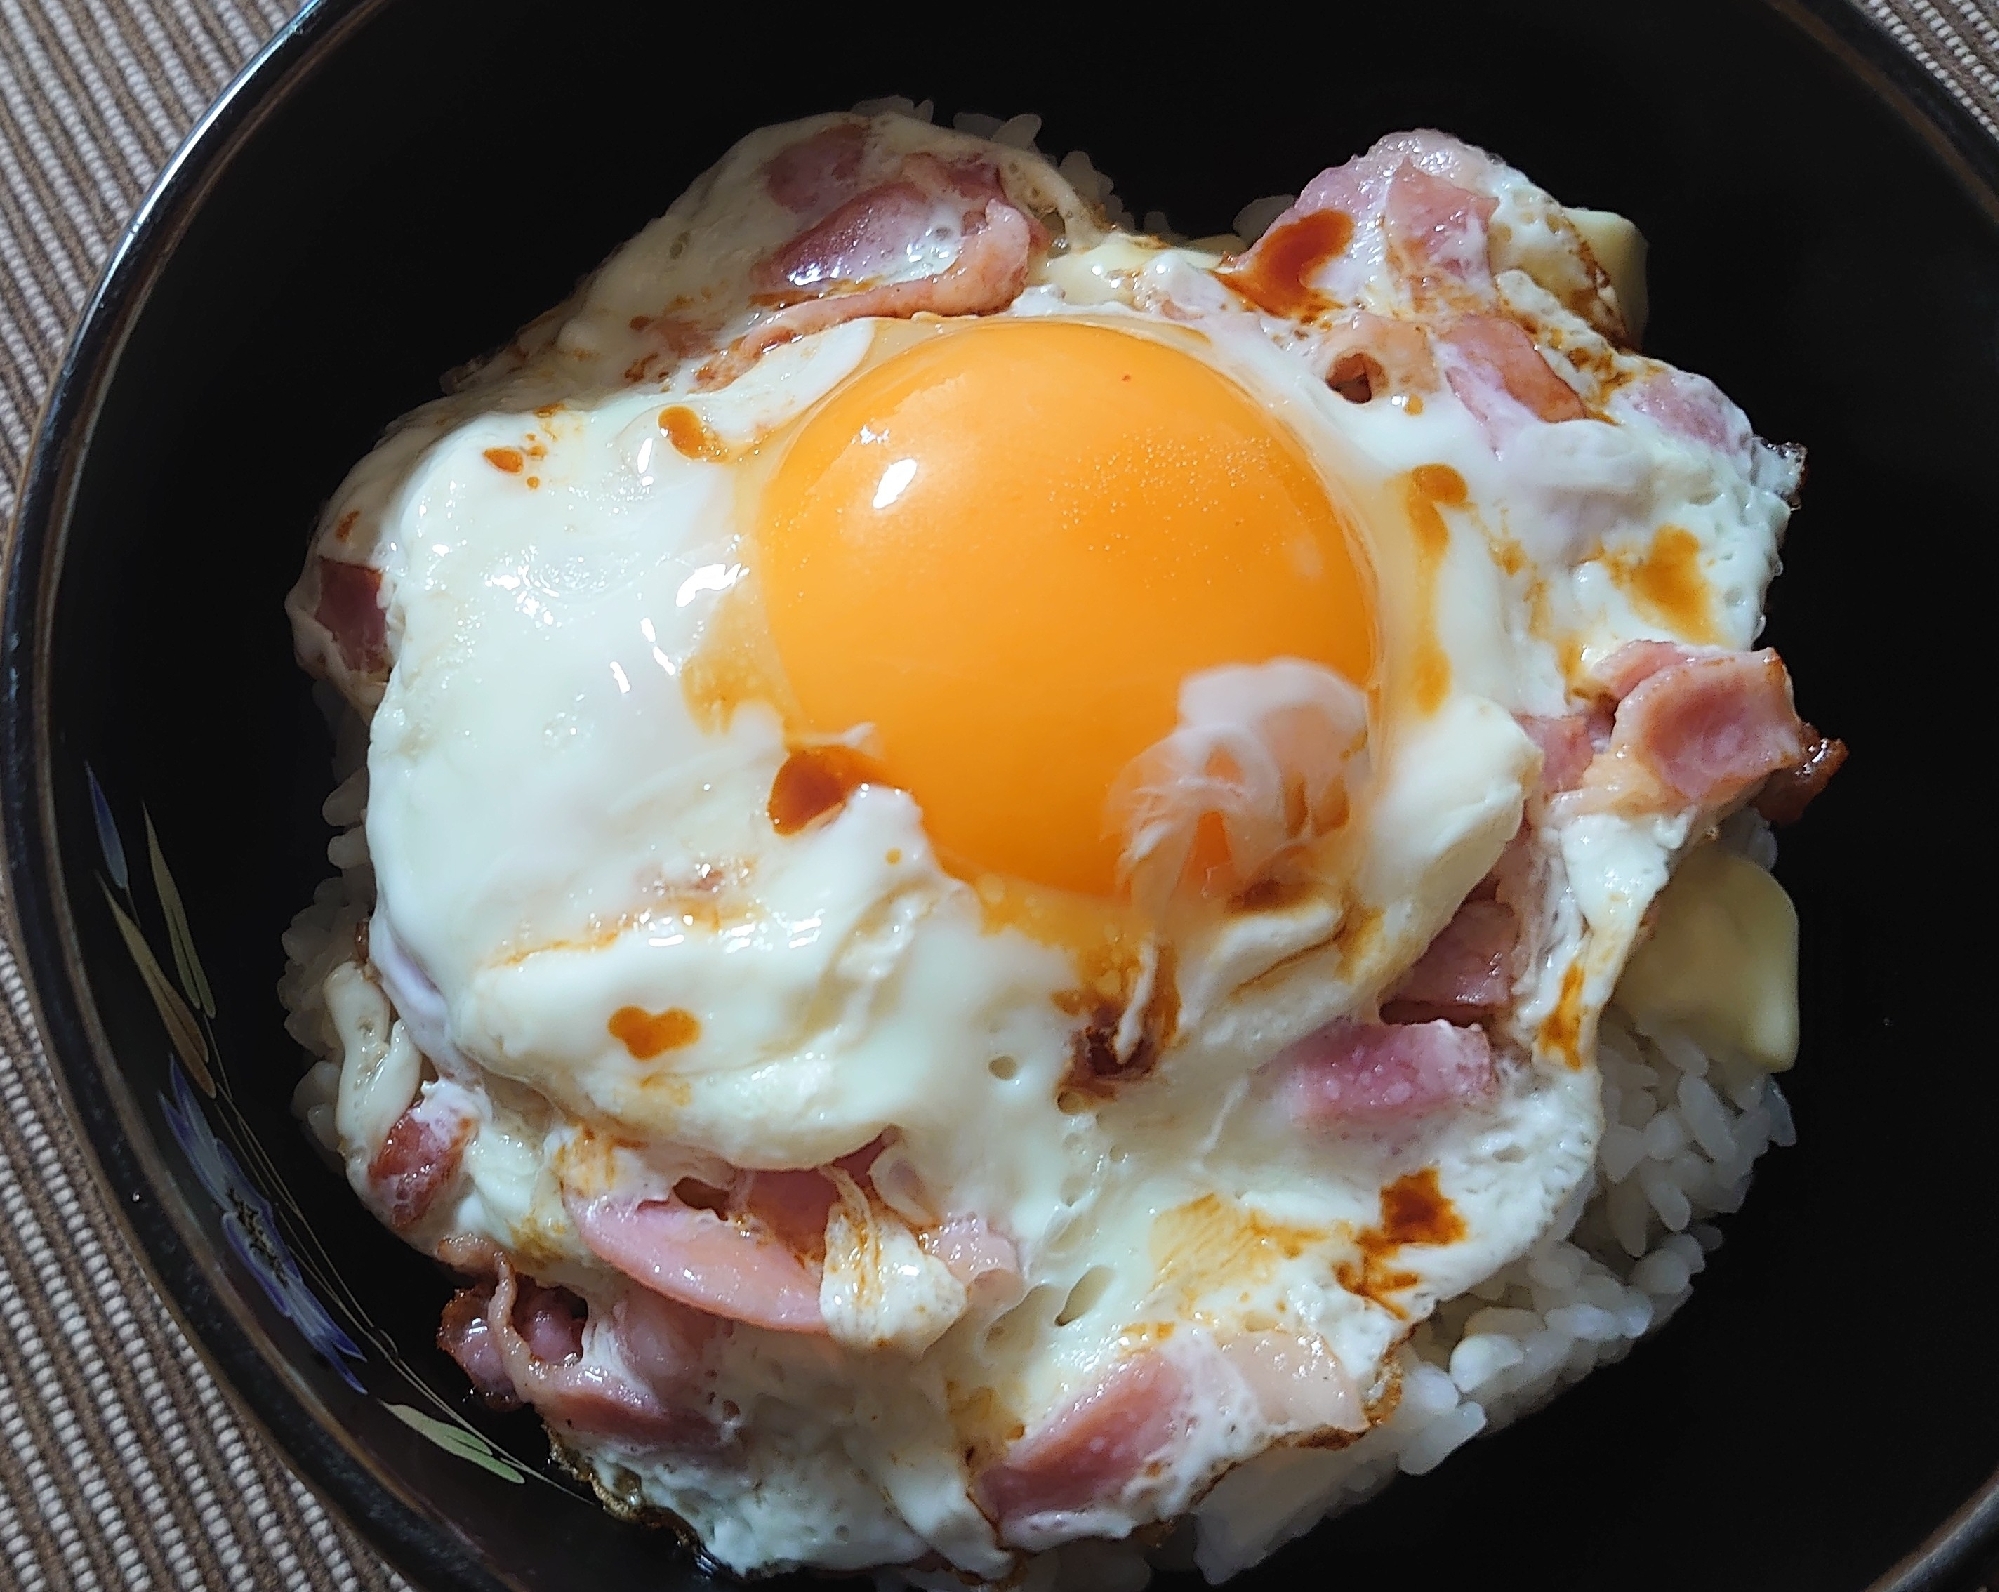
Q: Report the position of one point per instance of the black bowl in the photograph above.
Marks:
(394, 186)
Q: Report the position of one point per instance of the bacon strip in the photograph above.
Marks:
(1632, 664)
(1360, 186)
(970, 1249)
(1467, 972)
(1436, 232)
(350, 611)
(1690, 406)
(1299, 1383)
(661, 1341)
(817, 171)
(473, 1254)
(750, 1251)
(726, 1267)
(550, 1321)
(1380, 1074)
(1789, 791)
(1499, 375)
(988, 274)
(579, 1394)
(793, 1206)
(1091, 1449)
(1710, 728)
(1436, 228)
(1567, 744)
(419, 1157)
(882, 232)
(868, 236)
(464, 1333)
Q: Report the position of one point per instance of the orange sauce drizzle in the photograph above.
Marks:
(1562, 1029)
(648, 1034)
(1428, 486)
(1274, 275)
(1414, 1210)
(690, 435)
(1667, 586)
(816, 780)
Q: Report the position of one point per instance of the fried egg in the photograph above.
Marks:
(996, 840)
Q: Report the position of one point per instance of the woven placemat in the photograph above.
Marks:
(121, 1463)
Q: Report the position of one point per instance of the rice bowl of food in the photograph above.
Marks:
(1147, 892)
(1024, 897)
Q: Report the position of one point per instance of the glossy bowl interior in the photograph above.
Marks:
(398, 185)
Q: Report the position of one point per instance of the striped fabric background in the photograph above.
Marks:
(121, 1464)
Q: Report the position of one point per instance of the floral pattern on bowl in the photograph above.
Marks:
(263, 1224)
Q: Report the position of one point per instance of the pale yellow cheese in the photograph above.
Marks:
(1721, 965)
(1619, 248)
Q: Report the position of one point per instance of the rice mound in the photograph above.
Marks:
(1679, 1146)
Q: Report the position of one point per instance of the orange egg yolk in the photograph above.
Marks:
(1005, 547)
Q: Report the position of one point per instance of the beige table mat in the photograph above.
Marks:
(121, 1465)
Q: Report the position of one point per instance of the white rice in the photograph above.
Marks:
(322, 936)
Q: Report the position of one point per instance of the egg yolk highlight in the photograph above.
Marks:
(1005, 547)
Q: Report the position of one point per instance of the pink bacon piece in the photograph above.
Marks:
(819, 170)
(1467, 971)
(1360, 186)
(1499, 375)
(1298, 1382)
(868, 236)
(1700, 726)
(832, 272)
(550, 1321)
(1413, 203)
(792, 1206)
(988, 274)
(1091, 1449)
(1568, 742)
(662, 1342)
(1710, 728)
(473, 1254)
(1632, 664)
(570, 1389)
(877, 232)
(726, 1267)
(1360, 190)
(1788, 792)
(1436, 229)
(1689, 406)
(419, 1155)
(1383, 1074)
(970, 1250)
(464, 1333)
(350, 611)
(750, 1252)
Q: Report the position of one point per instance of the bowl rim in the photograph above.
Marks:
(156, 1226)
